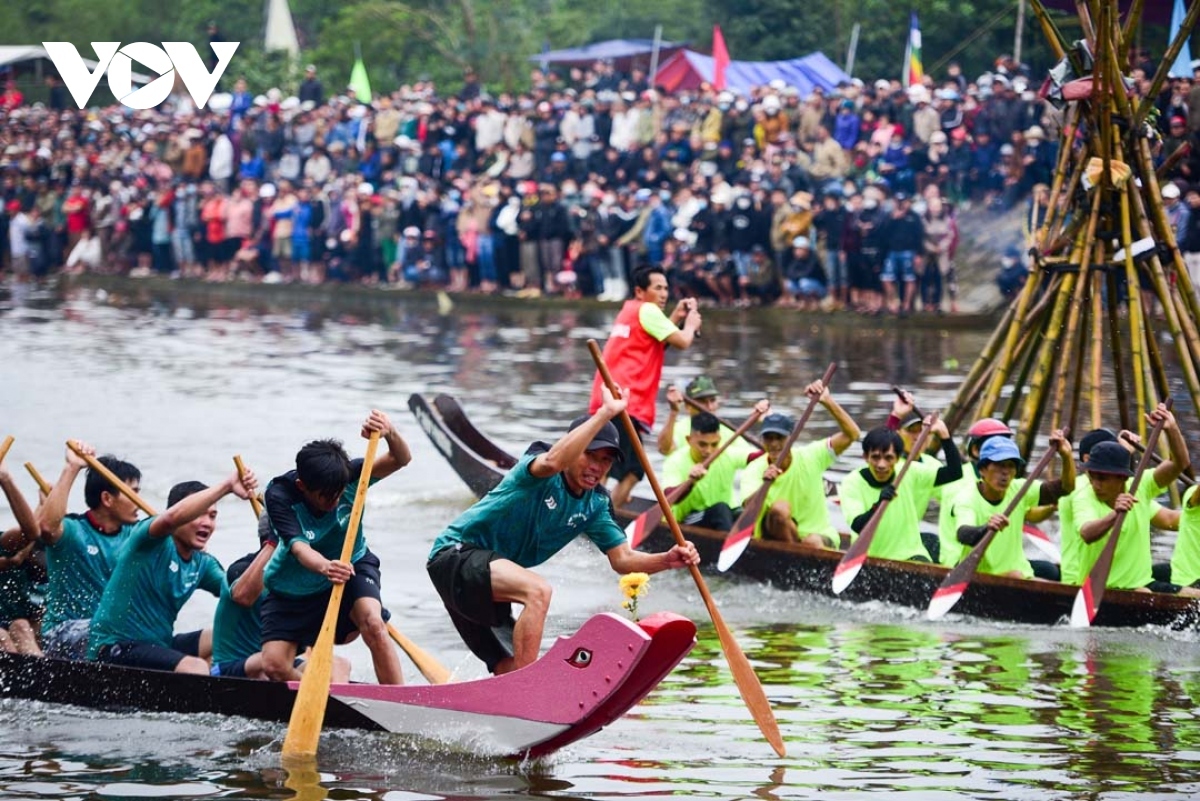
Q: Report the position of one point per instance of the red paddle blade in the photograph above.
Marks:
(734, 546)
(847, 571)
(1040, 540)
(1083, 612)
(944, 600)
(639, 529)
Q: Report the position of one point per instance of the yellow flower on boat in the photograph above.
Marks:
(634, 586)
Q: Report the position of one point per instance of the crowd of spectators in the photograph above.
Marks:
(845, 198)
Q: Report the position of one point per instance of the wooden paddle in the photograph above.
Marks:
(1156, 460)
(648, 520)
(739, 537)
(430, 668)
(1087, 601)
(255, 501)
(4, 446)
(753, 440)
(955, 584)
(743, 674)
(111, 477)
(852, 561)
(43, 485)
(308, 710)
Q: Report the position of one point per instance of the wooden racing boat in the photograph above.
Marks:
(581, 684)
(481, 464)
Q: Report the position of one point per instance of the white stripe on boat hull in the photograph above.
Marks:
(497, 734)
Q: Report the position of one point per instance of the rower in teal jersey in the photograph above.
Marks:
(237, 624)
(161, 564)
(81, 549)
(17, 610)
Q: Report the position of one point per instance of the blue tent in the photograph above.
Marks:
(688, 69)
(624, 53)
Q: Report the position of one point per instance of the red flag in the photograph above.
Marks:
(720, 58)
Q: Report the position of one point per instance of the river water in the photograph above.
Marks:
(871, 700)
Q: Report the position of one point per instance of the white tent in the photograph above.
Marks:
(19, 54)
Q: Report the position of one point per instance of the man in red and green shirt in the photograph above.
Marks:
(634, 354)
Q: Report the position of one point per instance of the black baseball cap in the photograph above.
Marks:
(1110, 458)
(606, 438)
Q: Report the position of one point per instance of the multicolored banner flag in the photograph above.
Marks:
(913, 72)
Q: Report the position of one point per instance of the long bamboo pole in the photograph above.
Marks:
(1027, 430)
(1134, 305)
(1058, 44)
(1074, 312)
(1164, 66)
(1000, 374)
(1095, 394)
(1117, 352)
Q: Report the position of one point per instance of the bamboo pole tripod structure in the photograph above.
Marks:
(1107, 285)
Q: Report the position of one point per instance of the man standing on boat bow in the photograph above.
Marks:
(480, 563)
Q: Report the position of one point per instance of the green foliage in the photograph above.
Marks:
(403, 40)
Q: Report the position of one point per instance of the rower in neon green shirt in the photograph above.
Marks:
(980, 508)
(898, 535)
(703, 392)
(1109, 476)
(795, 509)
(951, 551)
(709, 503)
(1185, 559)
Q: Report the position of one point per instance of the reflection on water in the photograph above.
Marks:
(871, 700)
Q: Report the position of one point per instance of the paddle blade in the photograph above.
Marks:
(1040, 540)
(747, 683)
(846, 571)
(1083, 612)
(734, 546)
(643, 526)
(944, 600)
(308, 709)
(430, 668)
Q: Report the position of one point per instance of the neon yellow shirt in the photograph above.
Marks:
(802, 485)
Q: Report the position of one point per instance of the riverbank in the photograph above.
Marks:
(349, 297)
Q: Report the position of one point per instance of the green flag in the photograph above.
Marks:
(359, 81)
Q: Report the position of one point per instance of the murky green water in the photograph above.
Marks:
(871, 700)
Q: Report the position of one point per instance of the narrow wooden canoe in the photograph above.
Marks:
(581, 684)
(797, 567)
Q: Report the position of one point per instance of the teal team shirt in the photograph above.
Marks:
(16, 587)
(79, 566)
(237, 629)
(149, 586)
(527, 519)
(292, 521)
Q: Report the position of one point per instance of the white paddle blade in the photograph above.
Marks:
(1038, 539)
(845, 573)
(1081, 617)
(733, 548)
(942, 602)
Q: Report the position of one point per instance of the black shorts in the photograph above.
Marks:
(462, 576)
(150, 656)
(629, 464)
(298, 620)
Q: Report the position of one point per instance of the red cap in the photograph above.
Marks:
(989, 427)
